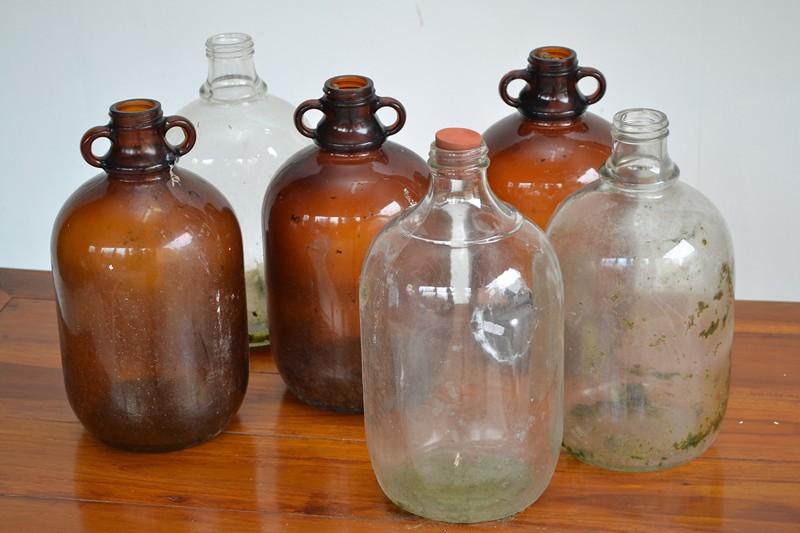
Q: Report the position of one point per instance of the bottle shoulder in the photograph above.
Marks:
(313, 169)
(264, 118)
(462, 225)
(112, 211)
(605, 221)
(517, 132)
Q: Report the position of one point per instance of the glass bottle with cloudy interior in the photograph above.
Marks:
(243, 135)
(648, 274)
(461, 321)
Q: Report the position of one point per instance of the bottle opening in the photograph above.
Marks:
(135, 106)
(229, 45)
(553, 59)
(349, 88)
(553, 53)
(640, 123)
(349, 82)
(135, 113)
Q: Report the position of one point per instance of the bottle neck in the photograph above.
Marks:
(459, 176)
(231, 69)
(137, 132)
(349, 123)
(551, 94)
(639, 159)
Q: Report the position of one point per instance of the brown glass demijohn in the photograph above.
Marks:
(149, 279)
(552, 146)
(321, 212)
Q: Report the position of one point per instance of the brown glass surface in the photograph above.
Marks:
(321, 213)
(551, 147)
(281, 466)
(148, 271)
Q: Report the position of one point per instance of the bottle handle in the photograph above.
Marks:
(595, 97)
(520, 74)
(301, 110)
(190, 134)
(397, 125)
(88, 140)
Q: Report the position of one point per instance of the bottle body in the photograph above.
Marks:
(648, 275)
(244, 135)
(147, 268)
(321, 214)
(462, 353)
(551, 147)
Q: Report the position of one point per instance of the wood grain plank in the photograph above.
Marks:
(334, 479)
(35, 514)
(27, 283)
(283, 466)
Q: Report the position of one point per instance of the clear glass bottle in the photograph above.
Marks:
(243, 135)
(461, 329)
(648, 275)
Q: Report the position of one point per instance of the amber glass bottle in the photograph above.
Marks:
(552, 146)
(149, 279)
(321, 212)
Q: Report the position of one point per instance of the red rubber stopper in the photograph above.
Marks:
(457, 139)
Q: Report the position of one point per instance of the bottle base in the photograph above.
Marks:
(157, 448)
(447, 487)
(325, 406)
(638, 463)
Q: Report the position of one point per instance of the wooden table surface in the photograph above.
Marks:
(283, 466)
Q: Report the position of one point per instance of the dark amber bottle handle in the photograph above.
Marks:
(520, 74)
(397, 125)
(88, 140)
(301, 110)
(593, 98)
(189, 133)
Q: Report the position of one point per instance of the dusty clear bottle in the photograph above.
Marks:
(648, 275)
(461, 330)
(243, 135)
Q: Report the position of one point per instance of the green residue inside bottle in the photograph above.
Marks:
(693, 439)
(454, 488)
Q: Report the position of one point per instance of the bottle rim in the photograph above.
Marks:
(639, 124)
(231, 45)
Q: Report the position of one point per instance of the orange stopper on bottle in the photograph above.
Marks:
(458, 139)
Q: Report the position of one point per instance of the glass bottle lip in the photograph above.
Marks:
(639, 124)
(349, 89)
(136, 113)
(232, 45)
(552, 60)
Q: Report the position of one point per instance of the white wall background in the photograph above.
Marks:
(726, 73)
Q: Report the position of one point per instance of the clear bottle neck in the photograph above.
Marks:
(231, 69)
(639, 159)
(460, 176)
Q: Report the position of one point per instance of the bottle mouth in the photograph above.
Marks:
(135, 113)
(349, 88)
(229, 46)
(552, 60)
(639, 124)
